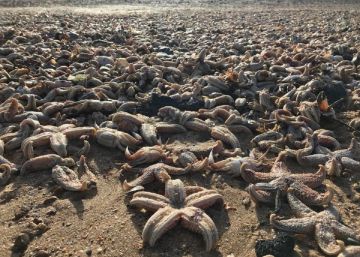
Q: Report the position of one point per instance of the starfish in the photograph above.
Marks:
(147, 154)
(307, 157)
(180, 203)
(324, 224)
(232, 165)
(280, 179)
(335, 166)
(159, 171)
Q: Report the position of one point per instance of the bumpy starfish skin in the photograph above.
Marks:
(149, 134)
(225, 135)
(44, 162)
(68, 178)
(180, 203)
(307, 157)
(335, 166)
(280, 178)
(324, 224)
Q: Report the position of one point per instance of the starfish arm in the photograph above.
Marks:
(344, 232)
(149, 201)
(148, 204)
(152, 196)
(350, 164)
(299, 207)
(198, 221)
(175, 191)
(199, 165)
(326, 240)
(158, 224)
(331, 211)
(223, 165)
(253, 177)
(145, 178)
(58, 142)
(193, 189)
(313, 160)
(312, 180)
(310, 196)
(175, 170)
(203, 199)
(260, 195)
(67, 178)
(296, 225)
(139, 160)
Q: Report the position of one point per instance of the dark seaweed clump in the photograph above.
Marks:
(281, 246)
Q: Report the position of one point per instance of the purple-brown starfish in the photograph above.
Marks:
(279, 179)
(325, 225)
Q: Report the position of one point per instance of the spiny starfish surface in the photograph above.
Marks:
(180, 203)
(324, 224)
(280, 179)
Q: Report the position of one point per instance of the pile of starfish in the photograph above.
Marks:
(268, 183)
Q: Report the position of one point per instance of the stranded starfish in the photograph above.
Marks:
(179, 203)
(324, 224)
(149, 174)
(308, 156)
(280, 179)
(233, 165)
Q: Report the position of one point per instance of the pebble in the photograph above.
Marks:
(50, 200)
(21, 242)
(88, 251)
(51, 211)
(42, 253)
(21, 212)
(246, 201)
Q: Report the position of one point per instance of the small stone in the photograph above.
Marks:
(165, 49)
(356, 187)
(41, 253)
(246, 201)
(162, 55)
(21, 243)
(88, 251)
(50, 200)
(355, 198)
(240, 102)
(19, 213)
(51, 211)
(122, 62)
(99, 250)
